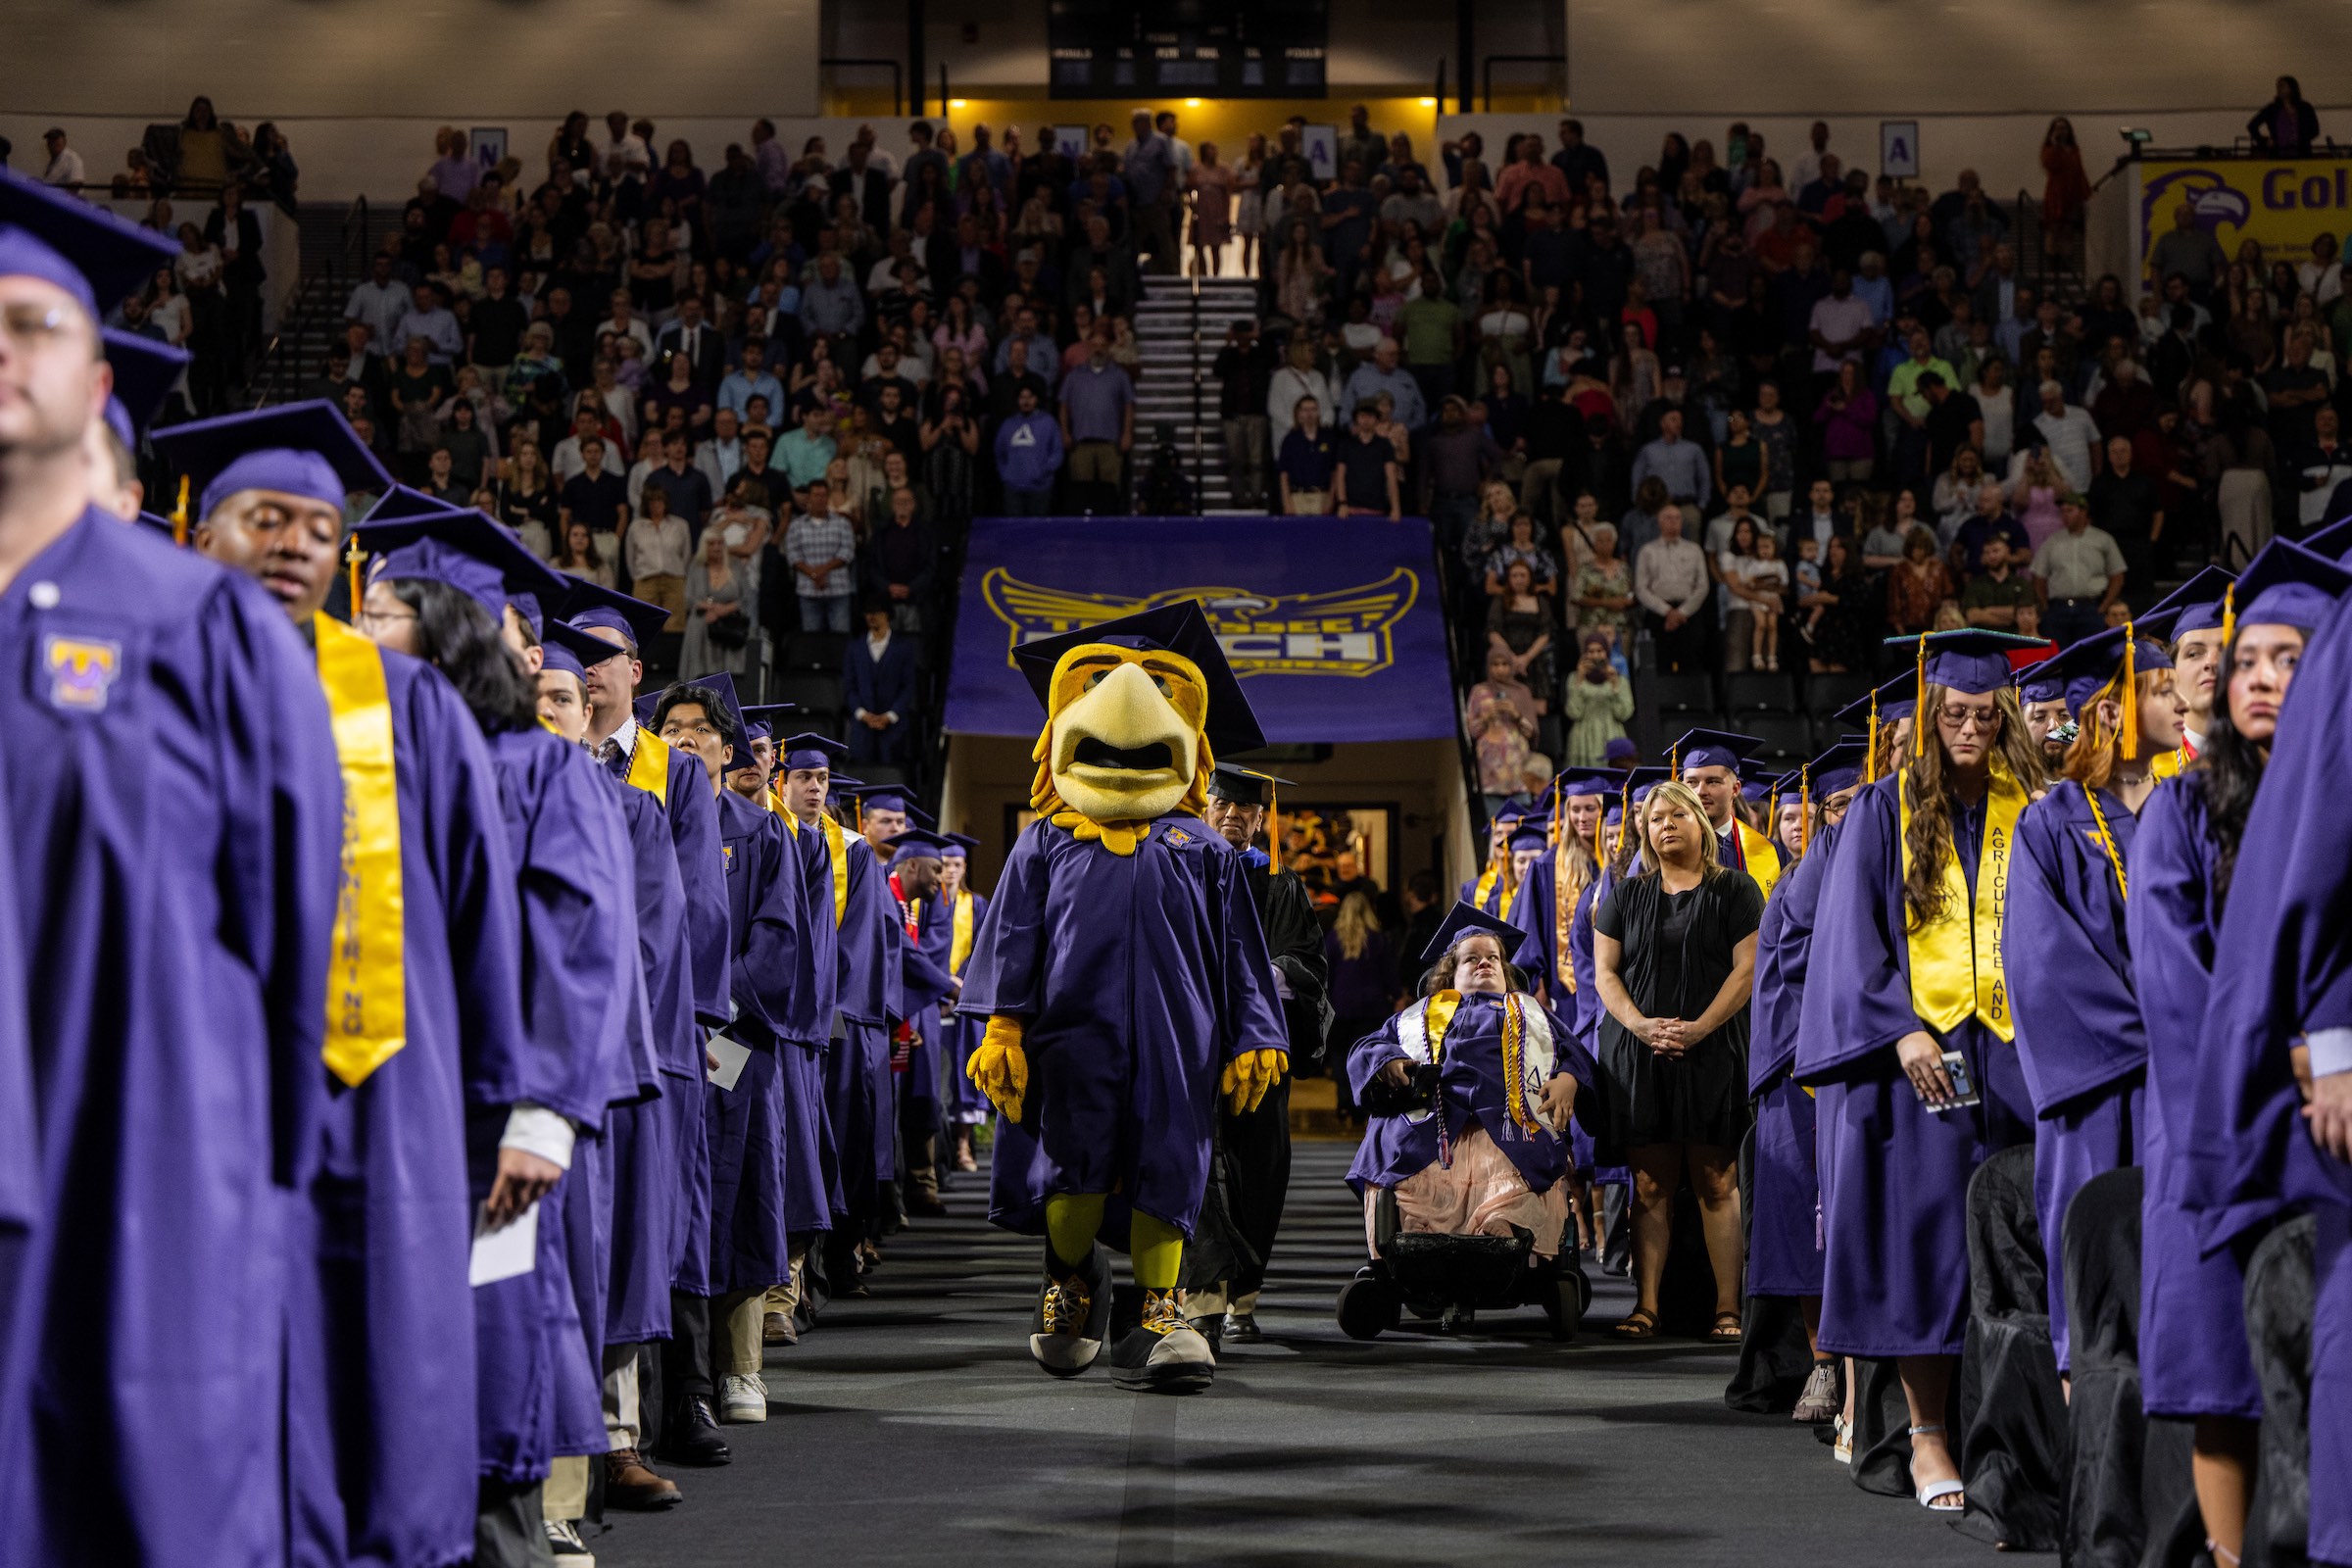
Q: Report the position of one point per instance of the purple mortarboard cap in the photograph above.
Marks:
(1895, 699)
(2288, 585)
(1463, 920)
(1622, 749)
(146, 368)
(1530, 834)
(300, 449)
(2084, 668)
(2194, 606)
(56, 236)
(466, 549)
(2042, 681)
(1179, 628)
(806, 752)
(760, 718)
(918, 844)
(1970, 662)
(1838, 769)
(959, 845)
(570, 650)
(2333, 542)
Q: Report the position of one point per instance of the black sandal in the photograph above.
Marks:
(1727, 1330)
(1639, 1324)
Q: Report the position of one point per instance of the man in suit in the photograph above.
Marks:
(703, 346)
(869, 184)
(877, 690)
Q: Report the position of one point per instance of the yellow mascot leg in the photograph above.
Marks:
(1156, 1251)
(1071, 1222)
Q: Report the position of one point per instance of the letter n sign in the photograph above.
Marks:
(1898, 148)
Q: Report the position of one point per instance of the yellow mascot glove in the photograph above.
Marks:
(1249, 1075)
(1000, 1067)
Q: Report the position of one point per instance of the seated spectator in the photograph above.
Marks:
(1367, 477)
(1998, 596)
(1028, 450)
(1308, 460)
(877, 689)
(821, 548)
(656, 550)
(899, 564)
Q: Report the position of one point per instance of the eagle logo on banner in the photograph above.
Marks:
(1344, 631)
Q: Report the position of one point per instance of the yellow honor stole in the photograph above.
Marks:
(1762, 860)
(959, 937)
(649, 764)
(2168, 764)
(1486, 880)
(1956, 957)
(837, 851)
(367, 992)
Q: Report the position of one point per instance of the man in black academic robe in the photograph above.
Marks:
(1226, 1265)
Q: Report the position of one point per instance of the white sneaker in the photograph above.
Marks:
(743, 1397)
(564, 1540)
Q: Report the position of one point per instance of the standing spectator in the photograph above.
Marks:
(900, 562)
(1367, 477)
(749, 380)
(1213, 184)
(1097, 424)
(657, 549)
(1907, 400)
(1578, 161)
(2286, 124)
(1682, 465)
(2129, 508)
(595, 496)
(1457, 458)
(237, 235)
(1519, 624)
(1433, 333)
(1848, 416)
(1150, 171)
(2082, 571)
(1028, 447)
(1999, 597)
(1954, 422)
(1308, 457)
(64, 168)
(2070, 433)
(1916, 588)
(1672, 582)
(687, 486)
(379, 303)
(809, 448)
(1598, 704)
(1348, 213)
(1298, 379)
(580, 556)
(1382, 374)
(719, 612)
(821, 548)
(2191, 254)
(2065, 188)
(1245, 372)
(877, 688)
(1502, 720)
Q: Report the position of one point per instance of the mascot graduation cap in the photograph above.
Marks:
(1126, 984)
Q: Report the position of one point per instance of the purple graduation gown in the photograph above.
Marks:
(2283, 969)
(19, 1153)
(1476, 1092)
(923, 984)
(1894, 1200)
(2193, 1358)
(641, 1158)
(857, 1090)
(749, 1126)
(2080, 1038)
(1533, 912)
(1140, 977)
(816, 1006)
(572, 858)
(1784, 1232)
(383, 1442)
(174, 809)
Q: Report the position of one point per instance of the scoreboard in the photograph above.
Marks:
(1198, 48)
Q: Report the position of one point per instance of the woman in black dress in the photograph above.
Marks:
(1674, 950)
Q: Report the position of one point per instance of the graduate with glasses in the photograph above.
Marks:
(1909, 1049)
(171, 773)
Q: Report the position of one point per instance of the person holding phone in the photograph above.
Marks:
(1909, 903)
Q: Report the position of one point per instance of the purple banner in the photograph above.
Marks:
(1334, 625)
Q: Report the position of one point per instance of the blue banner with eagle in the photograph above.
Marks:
(1333, 624)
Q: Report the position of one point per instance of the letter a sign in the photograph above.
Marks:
(1898, 149)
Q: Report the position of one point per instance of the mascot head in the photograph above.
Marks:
(1135, 710)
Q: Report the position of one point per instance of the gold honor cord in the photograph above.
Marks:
(1956, 967)
(2122, 889)
(649, 764)
(367, 992)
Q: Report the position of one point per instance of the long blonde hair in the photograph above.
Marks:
(1674, 790)
(1355, 926)
(1928, 844)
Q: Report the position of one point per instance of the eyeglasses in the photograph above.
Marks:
(382, 618)
(28, 327)
(1959, 720)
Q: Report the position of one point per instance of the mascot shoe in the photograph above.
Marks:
(1164, 1353)
(1073, 1315)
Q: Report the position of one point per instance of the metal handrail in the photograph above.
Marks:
(1485, 73)
(898, 73)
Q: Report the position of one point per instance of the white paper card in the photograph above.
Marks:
(731, 1058)
(506, 1253)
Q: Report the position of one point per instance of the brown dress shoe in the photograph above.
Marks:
(776, 1328)
(630, 1485)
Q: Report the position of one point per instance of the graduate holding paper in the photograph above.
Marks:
(1909, 1048)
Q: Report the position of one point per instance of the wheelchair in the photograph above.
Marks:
(1451, 1279)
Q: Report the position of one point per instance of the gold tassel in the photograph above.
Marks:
(2131, 699)
(1552, 834)
(1624, 814)
(1919, 713)
(351, 557)
(2229, 613)
(180, 516)
(1804, 809)
(1273, 830)
(1870, 750)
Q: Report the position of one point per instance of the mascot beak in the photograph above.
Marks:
(1120, 748)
